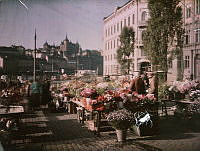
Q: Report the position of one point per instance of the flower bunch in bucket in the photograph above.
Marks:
(120, 119)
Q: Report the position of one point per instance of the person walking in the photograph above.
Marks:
(35, 94)
(46, 95)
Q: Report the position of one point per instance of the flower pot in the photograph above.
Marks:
(121, 135)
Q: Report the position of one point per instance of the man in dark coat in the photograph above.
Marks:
(46, 95)
(138, 85)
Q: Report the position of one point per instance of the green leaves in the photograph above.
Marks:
(164, 30)
(127, 40)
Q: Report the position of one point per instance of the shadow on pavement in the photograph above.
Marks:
(172, 128)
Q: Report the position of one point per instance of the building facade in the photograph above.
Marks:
(191, 50)
(132, 14)
(135, 14)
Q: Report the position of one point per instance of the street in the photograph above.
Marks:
(40, 131)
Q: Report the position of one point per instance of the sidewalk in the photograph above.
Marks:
(62, 132)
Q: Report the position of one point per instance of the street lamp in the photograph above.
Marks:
(52, 64)
(34, 64)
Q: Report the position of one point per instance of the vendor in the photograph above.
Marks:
(137, 85)
(46, 93)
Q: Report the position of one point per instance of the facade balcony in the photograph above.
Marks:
(139, 43)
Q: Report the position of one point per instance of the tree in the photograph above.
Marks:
(164, 30)
(127, 40)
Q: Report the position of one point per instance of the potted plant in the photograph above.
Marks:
(120, 120)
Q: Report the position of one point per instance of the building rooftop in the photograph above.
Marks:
(116, 9)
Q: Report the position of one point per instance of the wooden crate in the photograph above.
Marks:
(91, 125)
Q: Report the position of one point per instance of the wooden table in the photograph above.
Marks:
(6, 110)
(11, 112)
(182, 102)
(82, 117)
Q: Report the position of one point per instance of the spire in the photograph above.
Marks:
(46, 44)
(35, 34)
(66, 38)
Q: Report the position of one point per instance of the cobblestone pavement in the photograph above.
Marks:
(62, 132)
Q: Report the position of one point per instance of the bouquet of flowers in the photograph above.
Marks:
(87, 92)
(120, 119)
(141, 102)
(194, 108)
(194, 94)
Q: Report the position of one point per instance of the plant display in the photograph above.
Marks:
(194, 94)
(182, 88)
(120, 119)
(194, 108)
(164, 92)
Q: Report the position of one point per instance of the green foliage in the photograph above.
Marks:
(163, 92)
(127, 39)
(164, 30)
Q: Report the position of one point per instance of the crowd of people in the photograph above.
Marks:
(38, 92)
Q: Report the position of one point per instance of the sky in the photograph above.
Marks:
(80, 20)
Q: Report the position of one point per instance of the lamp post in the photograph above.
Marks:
(34, 64)
(52, 64)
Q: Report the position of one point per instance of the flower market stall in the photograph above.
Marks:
(185, 95)
(96, 99)
(11, 109)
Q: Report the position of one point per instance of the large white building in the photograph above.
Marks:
(135, 14)
(132, 14)
(191, 51)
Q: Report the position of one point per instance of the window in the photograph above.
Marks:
(144, 16)
(117, 26)
(198, 6)
(110, 57)
(121, 25)
(111, 30)
(197, 35)
(105, 46)
(114, 43)
(142, 35)
(106, 33)
(133, 19)
(187, 37)
(187, 62)
(118, 42)
(114, 28)
(108, 46)
(143, 53)
(124, 22)
(170, 64)
(188, 12)
(129, 21)
(111, 44)
(115, 57)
